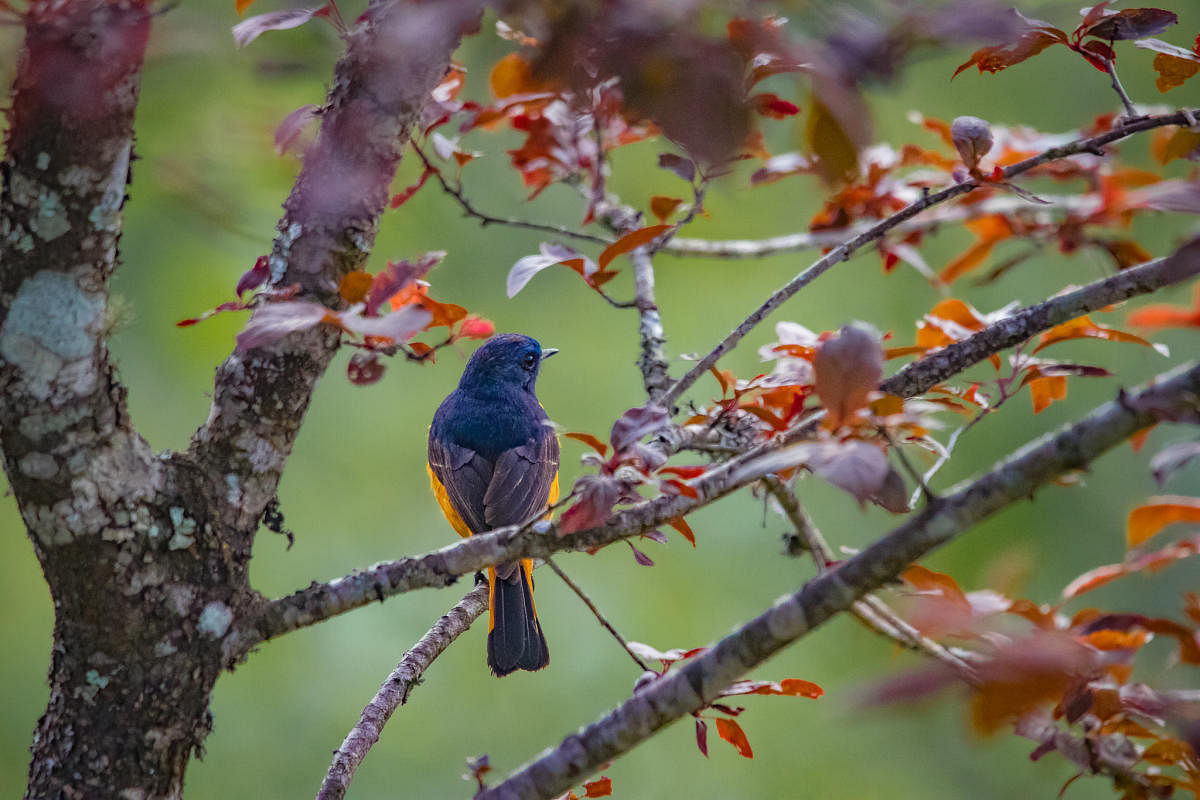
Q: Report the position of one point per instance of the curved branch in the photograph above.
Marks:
(847, 248)
(393, 59)
(793, 616)
(395, 691)
(921, 375)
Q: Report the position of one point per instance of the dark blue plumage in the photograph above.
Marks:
(493, 461)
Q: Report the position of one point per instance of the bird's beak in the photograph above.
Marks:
(549, 351)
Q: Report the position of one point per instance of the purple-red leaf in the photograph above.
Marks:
(637, 423)
(639, 556)
(1132, 23)
(397, 275)
(254, 277)
(273, 321)
(678, 165)
(702, 736)
(292, 126)
(250, 29)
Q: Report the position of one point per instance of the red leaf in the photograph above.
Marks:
(398, 276)
(591, 441)
(997, 57)
(687, 473)
(773, 106)
(731, 732)
(680, 487)
(631, 241)
(681, 525)
(474, 327)
(597, 496)
(848, 368)
(601, 787)
(364, 368)
(403, 196)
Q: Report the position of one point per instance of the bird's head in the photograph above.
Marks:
(507, 361)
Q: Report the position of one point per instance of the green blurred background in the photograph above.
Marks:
(204, 202)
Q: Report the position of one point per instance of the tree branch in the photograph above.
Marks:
(812, 240)
(933, 368)
(847, 248)
(393, 59)
(653, 361)
(395, 691)
(698, 681)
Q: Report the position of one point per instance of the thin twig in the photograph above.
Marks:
(395, 690)
(843, 251)
(1130, 110)
(813, 240)
(596, 612)
(485, 219)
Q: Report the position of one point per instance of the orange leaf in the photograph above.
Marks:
(1138, 439)
(1173, 71)
(601, 787)
(1115, 640)
(928, 581)
(731, 732)
(989, 230)
(949, 321)
(513, 75)
(795, 687)
(630, 241)
(1092, 579)
(590, 440)
(1084, 328)
(1045, 391)
(242, 5)
(355, 285)
(681, 525)
(1145, 521)
(1175, 145)
(662, 206)
(1164, 316)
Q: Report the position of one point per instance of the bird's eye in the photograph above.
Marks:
(529, 361)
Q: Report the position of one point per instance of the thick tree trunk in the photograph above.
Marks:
(147, 557)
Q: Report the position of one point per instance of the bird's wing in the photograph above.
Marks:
(520, 483)
(465, 476)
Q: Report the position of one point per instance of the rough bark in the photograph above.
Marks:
(146, 557)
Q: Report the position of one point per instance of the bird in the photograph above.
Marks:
(493, 461)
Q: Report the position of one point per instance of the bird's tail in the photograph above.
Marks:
(515, 639)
